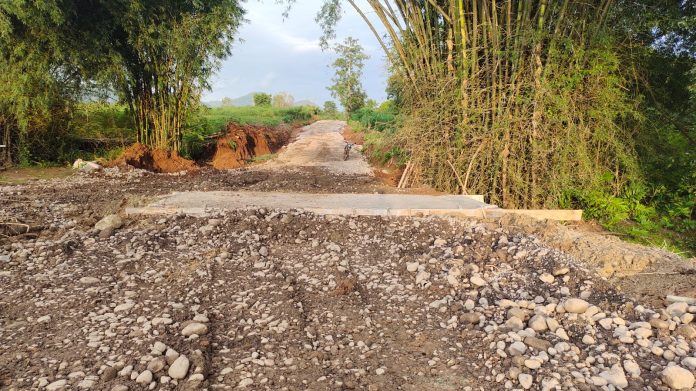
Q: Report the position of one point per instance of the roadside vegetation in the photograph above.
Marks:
(539, 104)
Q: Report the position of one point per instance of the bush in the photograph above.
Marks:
(374, 120)
(645, 215)
(262, 99)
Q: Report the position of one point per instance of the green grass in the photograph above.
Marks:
(264, 158)
(216, 118)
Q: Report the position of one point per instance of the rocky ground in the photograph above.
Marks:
(274, 300)
(91, 299)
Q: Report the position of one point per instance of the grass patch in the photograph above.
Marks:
(264, 158)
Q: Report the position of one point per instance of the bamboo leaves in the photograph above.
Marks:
(501, 71)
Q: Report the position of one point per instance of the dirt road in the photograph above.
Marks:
(268, 299)
(321, 145)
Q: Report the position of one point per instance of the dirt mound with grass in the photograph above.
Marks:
(242, 143)
(155, 160)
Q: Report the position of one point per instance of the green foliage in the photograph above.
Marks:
(262, 99)
(330, 107)
(232, 144)
(643, 214)
(264, 158)
(157, 55)
(347, 87)
(372, 119)
(102, 120)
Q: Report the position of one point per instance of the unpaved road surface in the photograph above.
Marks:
(267, 299)
(321, 145)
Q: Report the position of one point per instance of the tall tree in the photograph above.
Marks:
(39, 84)
(157, 55)
(516, 99)
(283, 99)
(347, 87)
(262, 99)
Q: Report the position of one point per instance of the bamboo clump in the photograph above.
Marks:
(517, 100)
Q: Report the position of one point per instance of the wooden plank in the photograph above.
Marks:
(541, 214)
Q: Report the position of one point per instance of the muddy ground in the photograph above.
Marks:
(283, 300)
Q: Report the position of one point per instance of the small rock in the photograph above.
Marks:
(615, 376)
(89, 280)
(478, 281)
(689, 362)
(110, 222)
(537, 343)
(412, 266)
(179, 368)
(245, 382)
(687, 331)
(514, 324)
(470, 318)
(57, 385)
(525, 380)
(547, 278)
(109, 374)
(517, 348)
(422, 277)
(532, 364)
(144, 378)
(124, 307)
(194, 328)
(156, 365)
(538, 323)
(677, 309)
(678, 378)
(576, 306)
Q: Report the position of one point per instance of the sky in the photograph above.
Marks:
(278, 54)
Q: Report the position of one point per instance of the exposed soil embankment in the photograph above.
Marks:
(155, 160)
(241, 143)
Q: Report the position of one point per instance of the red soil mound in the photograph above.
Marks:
(242, 143)
(156, 160)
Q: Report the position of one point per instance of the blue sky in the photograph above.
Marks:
(279, 54)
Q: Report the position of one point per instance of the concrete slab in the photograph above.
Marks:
(196, 203)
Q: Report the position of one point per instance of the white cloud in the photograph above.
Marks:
(268, 79)
(299, 44)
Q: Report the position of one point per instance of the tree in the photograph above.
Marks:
(516, 99)
(262, 99)
(227, 102)
(39, 85)
(330, 107)
(347, 87)
(156, 55)
(283, 99)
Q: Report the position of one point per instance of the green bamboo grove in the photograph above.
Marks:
(518, 100)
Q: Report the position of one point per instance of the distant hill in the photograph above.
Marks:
(248, 100)
(305, 102)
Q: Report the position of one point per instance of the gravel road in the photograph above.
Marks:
(267, 299)
(321, 145)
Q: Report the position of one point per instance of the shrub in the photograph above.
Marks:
(262, 99)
